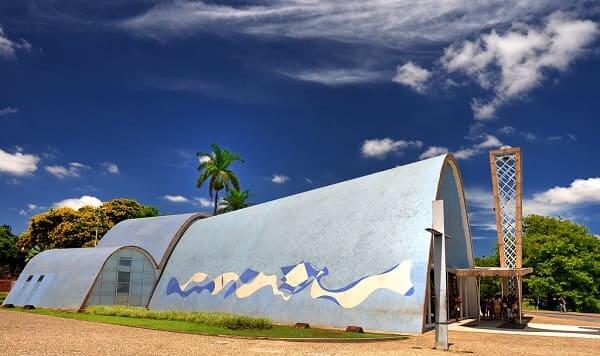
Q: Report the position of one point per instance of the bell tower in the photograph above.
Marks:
(505, 165)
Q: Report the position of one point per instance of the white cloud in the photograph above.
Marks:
(18, 163)
(412, 76)
(481, 208)
(279, 178)
(30, 209)
(433, 151)
(564, 200)
(507, 130)
(78, 203)
(380, 148)
(8, 111)
(479, 198)
(9, 47)
(204, 159)
(511, 64)
(74, 169)
(176, 198)
(580, 191)
(335, 77)
(482, 238)
(111, 167)
(466, 153)
(489, 142)
(385, 23)
(203, 202)
(404, 27)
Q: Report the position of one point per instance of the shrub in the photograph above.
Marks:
(231, 321)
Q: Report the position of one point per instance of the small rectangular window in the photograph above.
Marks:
(124, 262)
(124, 277)
(41, 278)
(122, 288)
(29, 278)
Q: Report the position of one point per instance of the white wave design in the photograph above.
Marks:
(296, 278)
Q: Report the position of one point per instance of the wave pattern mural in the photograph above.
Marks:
(297, 278)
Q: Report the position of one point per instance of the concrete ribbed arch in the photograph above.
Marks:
(451, 190)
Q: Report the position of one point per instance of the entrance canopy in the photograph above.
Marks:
(502, 272)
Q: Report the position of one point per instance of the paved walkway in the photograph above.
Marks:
(537, 329)
(31, 334)
(595, 318)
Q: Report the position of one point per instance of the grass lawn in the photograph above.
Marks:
(528, 307)
(277, 331)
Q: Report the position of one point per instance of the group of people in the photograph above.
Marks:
(500, 308)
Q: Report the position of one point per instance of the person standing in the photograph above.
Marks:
(497, 307)
(457, 303)
(563, 304)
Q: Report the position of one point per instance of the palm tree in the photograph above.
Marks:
(214, 168)
(234, 200)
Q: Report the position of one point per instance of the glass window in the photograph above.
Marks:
(122, 288)
(122, 299)
(136, 278)
(29, 278)
(40, 278)
(148, 278)
(107, 299)
(94, 300)
(137, 264)
(128, 278)
(135, 300)
(109, 276)
(111, 264)
(126, 252)
(147, 289)
(124, 262)
(108, 289)
(135, 289)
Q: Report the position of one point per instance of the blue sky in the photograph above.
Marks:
(108, 99)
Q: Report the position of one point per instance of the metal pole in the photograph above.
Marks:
(440, 274)
(479, 311)
(520, 300)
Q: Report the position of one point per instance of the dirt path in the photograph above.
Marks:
(31, 334)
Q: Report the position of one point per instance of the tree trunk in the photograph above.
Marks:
(216, 202)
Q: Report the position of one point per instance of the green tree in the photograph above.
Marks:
(11, 258)
(215, 169)
(234, 200)
(117, 210)
(68, 228)
(566, 262)
(489, 287)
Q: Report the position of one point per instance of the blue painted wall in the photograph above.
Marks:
(354, 253)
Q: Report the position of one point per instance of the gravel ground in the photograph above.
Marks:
(23, 333)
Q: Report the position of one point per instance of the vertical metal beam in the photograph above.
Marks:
(440, 276)
(520, 300)
(479, 310)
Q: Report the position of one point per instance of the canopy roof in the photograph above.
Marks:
(491, 272)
